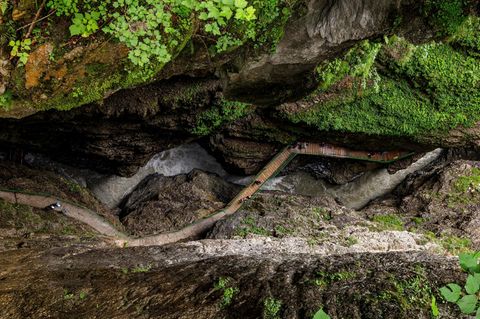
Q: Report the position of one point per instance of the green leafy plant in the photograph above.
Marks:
(228, 291)
(212, 119)
(83, 295)
(320, 314)
(357, 62)
(6, 100)
(434, 307)
(67, 295)
(468, 299)
(446, 14)
(20, 49)
(3, 6)
(389, 222)
(84, 24)
(271, 308)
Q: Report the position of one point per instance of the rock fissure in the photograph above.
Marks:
(202, 226)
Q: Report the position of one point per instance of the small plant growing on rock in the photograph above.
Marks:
(141, 268)
(20, 49)
(271, 308)
(67, 295)
(467, 299)
(229, 292)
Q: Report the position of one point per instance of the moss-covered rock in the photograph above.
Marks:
(411, 91)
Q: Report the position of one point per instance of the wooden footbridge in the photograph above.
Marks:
(197, 229)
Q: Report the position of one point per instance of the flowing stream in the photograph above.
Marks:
(183, 159)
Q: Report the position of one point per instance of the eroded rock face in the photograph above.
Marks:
(327, 29)
(179, 282)
(443, 199)
(132, 125)
(161, 204)
(122, 134)
(299, 252)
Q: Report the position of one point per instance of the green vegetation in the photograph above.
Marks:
(271, 308)
(467, 300)
(20, 49)
(434, 307)
(82, 295)
(448, 15)
(468, 35)
(450, 243)
(141, 268)
(67, 295)
(465, 189)
(251, 228)
(73, 186)
(228, 291)
(350, 241)
(442, 92)
(152, 33)
(137, 269)
(389, 222)
(357, 63)
(152, 29)
(282, 231)
(218, 115)
(322, 213)
(6, 100)
(320, 314)
(413, 293)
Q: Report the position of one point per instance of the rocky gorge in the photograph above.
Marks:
(129, 129)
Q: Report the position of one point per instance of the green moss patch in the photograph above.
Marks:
(466, 189)
(424, 90)
(218, 115)
(389, 222)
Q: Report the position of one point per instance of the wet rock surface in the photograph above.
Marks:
(121, 134)
(324, 29)
(305, 253)
(161, 204)
(179, 282)
(442, 199)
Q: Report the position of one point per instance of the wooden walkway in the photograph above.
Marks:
(201, 227)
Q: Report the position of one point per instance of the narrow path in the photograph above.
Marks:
(197, 229)
(82, 214)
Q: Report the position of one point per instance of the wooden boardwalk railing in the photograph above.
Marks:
(196, 229)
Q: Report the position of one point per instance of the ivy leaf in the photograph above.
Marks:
(452, 293)
(321, 315)
(250, 13)
(3, 6)
(75, 29)
(468, 304)
(241, 4)
(469, 262)
(473, 284)
(23, 58)
(226, 12)
(434, 307)
(478, 313)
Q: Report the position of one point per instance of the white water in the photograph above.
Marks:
(181, 160)
(360, 191)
